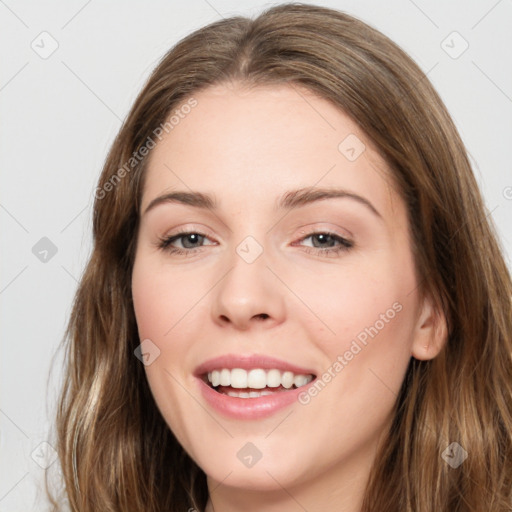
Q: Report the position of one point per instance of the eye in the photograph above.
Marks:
(324, 243)
(188, 240)
(327, 243)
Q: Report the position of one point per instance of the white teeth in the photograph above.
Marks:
(251, 394)
(300, 380)
(273, 378)
(256, 378)
(238, 378)
(287, 380)
(225, 377)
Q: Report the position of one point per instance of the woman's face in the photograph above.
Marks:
(297, 266)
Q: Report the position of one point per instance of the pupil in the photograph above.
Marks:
(323, 238)
(191, 236)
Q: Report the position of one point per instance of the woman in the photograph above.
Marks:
(221, 357)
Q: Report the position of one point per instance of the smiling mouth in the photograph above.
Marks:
(254, 383)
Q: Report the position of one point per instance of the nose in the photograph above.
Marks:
(249, 296)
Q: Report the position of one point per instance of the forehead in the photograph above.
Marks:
(255, 143)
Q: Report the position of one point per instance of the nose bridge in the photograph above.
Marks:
(249, 291)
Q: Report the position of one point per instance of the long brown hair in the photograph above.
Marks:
(116, 451)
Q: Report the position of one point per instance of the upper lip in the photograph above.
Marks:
(249, 362)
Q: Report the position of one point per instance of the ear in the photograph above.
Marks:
(431, 332)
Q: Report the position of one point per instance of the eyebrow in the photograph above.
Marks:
(290, 200)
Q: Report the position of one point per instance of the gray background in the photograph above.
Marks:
(59, 114)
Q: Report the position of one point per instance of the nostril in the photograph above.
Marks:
(262, 316)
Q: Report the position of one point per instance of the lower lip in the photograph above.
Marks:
(249, 408)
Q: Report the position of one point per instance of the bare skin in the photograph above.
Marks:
(304, 299)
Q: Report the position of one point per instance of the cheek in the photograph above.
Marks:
(363, 324)
(161, 297)
(354, 300)
(161, 304)
(365, 363)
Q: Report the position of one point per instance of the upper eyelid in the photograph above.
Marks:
(188, 231)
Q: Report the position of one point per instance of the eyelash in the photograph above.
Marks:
(165, 244)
